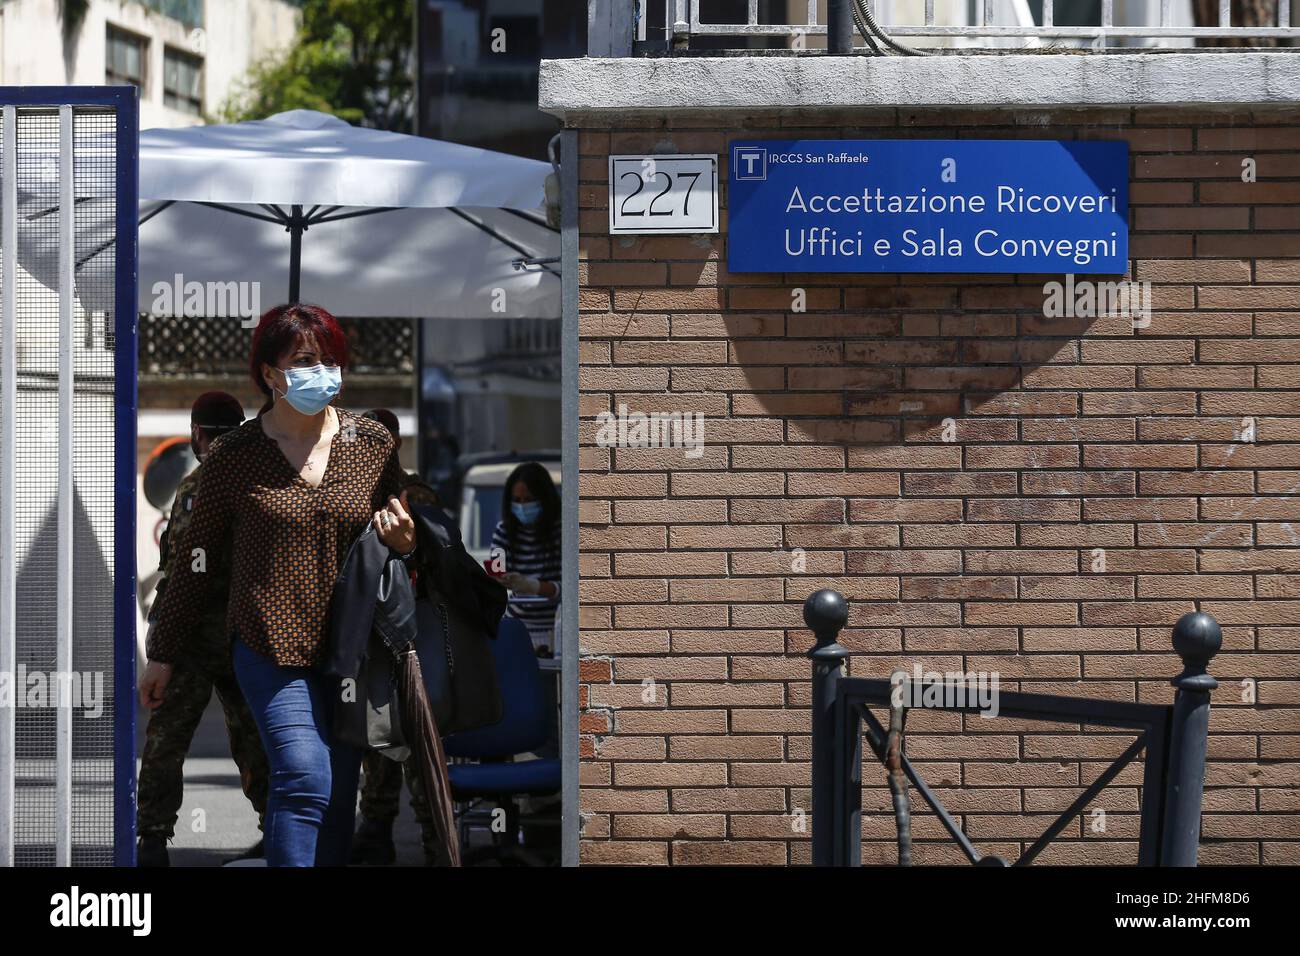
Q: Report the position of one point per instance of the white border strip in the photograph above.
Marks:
(8, 400)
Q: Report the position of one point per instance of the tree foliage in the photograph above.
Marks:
(351, 58)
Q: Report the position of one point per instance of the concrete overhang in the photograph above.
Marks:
(1212, 79)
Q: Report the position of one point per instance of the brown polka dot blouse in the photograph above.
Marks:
(285, 539)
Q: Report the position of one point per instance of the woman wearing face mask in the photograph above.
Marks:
(528, 539)
(285, 495)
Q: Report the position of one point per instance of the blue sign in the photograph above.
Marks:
(833, 205)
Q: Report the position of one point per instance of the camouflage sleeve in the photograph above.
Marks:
(174, 531)
(178, 520)
(181, 604)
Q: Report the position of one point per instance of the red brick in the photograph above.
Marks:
(957, 464)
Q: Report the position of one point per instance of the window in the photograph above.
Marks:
(125, 57)
(182, 81)
(188, 12)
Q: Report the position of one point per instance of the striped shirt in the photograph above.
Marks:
(537, 555)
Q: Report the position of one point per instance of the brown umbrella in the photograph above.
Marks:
(421, 732)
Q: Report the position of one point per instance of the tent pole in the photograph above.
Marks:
(297, 224)
(502, 239)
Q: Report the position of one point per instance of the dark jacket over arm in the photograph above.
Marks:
(374, 595)
(449, 568)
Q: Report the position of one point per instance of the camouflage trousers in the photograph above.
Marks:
(171, 730)
(381, 789)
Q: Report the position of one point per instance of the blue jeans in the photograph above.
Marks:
(312, 803)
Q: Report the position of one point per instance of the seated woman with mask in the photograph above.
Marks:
(527, 541)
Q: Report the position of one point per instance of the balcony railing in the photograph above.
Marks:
(681, 25)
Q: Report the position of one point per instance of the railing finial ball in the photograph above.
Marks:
(825, 612)
(1197, 637)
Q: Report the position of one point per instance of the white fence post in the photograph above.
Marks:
(8, 537)
(65, 502)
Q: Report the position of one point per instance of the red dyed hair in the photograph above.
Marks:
(281, 326)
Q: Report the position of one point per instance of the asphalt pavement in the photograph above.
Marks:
(217, 822)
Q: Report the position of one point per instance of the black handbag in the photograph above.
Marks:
(460, 675)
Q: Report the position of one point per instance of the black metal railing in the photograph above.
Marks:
(1174, 738)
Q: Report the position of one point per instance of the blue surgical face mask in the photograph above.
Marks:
(526, 511)
(310, 389)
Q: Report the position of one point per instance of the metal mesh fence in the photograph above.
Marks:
(38, 510)
(93, 474)
(213, 345)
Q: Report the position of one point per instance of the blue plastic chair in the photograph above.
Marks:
(524, 725)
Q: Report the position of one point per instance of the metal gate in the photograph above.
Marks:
(68, 169)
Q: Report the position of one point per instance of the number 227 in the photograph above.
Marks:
(641, 183)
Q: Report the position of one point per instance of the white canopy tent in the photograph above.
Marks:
(365, 222)
(438, 263)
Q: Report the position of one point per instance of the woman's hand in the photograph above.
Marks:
(523, 584)
(395, 526)
(153, 685)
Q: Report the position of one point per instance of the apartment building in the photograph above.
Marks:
(184, 55)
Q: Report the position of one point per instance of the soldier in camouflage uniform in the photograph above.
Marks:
(381, 788)
(205, 666)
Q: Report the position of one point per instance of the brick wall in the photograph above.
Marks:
(824, 433)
